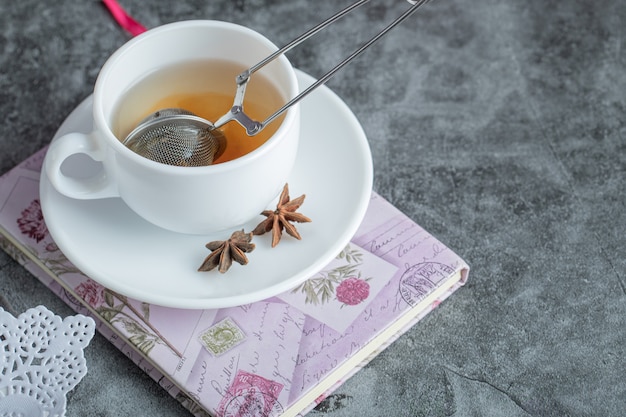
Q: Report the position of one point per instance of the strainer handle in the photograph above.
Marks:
(253, 127)
(244, 76)
(236, 112)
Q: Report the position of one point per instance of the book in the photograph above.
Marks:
(281, 356)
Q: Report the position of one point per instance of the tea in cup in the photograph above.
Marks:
(191, 65)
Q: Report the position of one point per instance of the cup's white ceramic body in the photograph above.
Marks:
(197, 200)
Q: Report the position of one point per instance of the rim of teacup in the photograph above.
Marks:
(290, 116)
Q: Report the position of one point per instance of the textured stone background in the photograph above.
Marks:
(498, 125)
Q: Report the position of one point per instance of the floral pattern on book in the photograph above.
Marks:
(109, 305)
(54, 259)
(342, 283)
(117, 309)
(31, 221)
(353, 291)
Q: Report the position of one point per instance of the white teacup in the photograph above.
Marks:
(197, 200)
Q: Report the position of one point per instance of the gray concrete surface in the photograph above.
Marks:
(498, 125)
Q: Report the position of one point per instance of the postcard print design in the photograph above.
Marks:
(339, 293)
(258, 367)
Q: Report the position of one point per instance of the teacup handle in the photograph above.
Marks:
(99, 185)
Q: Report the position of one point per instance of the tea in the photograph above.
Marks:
(206, 88)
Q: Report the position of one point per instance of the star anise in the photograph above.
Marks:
(280, 219)
(223, 252)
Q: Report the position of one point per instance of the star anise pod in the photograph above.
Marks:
(280, 219)
(223, 252)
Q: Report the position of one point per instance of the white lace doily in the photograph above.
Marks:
(41, 360)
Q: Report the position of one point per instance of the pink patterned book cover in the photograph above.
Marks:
(276, 357)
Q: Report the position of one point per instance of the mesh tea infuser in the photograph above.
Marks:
(178, 137)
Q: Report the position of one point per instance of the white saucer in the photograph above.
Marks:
(115, 247)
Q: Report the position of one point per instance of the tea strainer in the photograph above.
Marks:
(179, 137)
